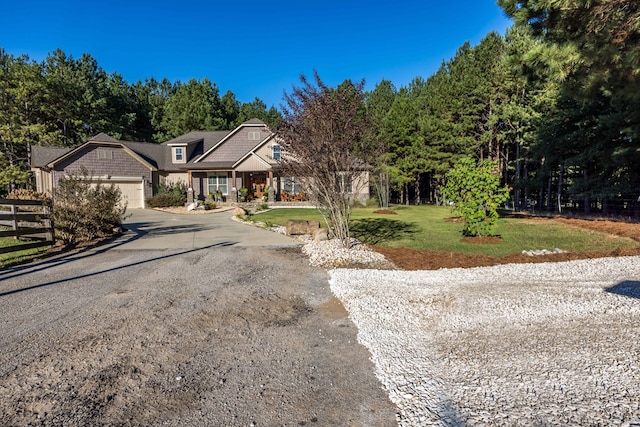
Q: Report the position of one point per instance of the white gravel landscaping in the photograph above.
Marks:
(550, 344)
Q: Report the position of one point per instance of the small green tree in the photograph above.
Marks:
(476, 193)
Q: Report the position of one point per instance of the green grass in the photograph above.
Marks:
(430, 227)
(17, 257)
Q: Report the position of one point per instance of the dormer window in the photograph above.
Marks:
(254, 136)
(276, 151)
(178, 154)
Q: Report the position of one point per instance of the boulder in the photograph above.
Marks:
(239, 212)
(296, 227)
(320, 235)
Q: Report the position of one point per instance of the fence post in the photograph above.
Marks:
(14, 214)
(48, 223)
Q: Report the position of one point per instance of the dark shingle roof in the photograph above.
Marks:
(103, 137)
(209, 166)
(208, 138)
(254, 121)
(155, 154)
(41, 156)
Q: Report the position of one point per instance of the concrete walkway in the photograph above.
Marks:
(151, 229)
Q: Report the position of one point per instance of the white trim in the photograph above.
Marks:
(116, 178)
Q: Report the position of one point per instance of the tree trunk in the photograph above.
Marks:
(549, 186)
(406, 194)
(587, 197)
(560, 184)
(518, 177)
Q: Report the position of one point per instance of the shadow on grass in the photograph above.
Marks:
(375, 231)
(627, 288)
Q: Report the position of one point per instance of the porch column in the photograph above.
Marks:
(233, 191)
(190, 197)
(271, 196)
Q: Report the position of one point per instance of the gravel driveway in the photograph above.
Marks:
(233, 334)
(220, 336)
(551, 344)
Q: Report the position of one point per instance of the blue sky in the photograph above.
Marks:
(253, 48)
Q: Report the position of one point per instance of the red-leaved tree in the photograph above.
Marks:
(322, 134)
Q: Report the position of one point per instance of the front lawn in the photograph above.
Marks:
(18, 256)
(432, 228)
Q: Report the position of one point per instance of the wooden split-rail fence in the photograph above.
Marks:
(28, 221)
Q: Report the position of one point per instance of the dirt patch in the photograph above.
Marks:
(333, 309)
(224, 336)
(385, 212)
(482, 240)
(411, 259)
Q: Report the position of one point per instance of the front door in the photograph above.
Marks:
(258, 184)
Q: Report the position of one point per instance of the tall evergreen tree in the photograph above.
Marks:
(378, 149)
(592, 50)
(192, 106)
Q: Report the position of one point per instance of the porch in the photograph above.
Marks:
(233, 186)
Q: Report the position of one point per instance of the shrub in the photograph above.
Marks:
(165, 200)
(373, 202)
(243, 194)
(177, 188)
(476, 194)
(174, 194)
(84, 210)
(25, 194)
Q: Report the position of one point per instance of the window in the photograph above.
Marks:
(254, 136)
(276, 151)
(291, 186)
(345, 183)
(179, 154)
(218, 182)
(105, 154)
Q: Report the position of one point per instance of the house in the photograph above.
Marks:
(207, 161)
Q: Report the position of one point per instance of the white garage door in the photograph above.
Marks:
(132, 194)
(131, 190)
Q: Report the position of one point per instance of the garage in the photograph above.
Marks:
(131, 189)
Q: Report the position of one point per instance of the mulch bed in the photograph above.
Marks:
(411, 259)
(385, 212)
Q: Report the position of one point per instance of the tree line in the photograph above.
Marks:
(555, 102)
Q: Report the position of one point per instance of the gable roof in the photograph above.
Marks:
(240, 146)
(149, 154)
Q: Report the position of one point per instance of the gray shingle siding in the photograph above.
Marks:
(121, 165)
(238, 145)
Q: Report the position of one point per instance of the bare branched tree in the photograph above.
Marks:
(322, 131)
